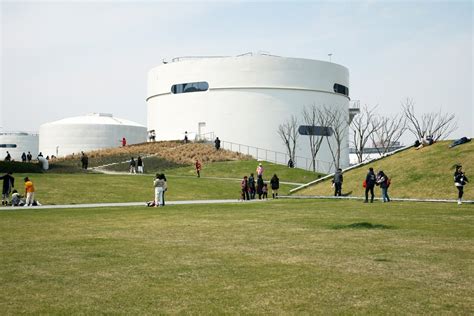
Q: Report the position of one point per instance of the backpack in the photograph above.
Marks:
(389, 181)
(364, 184)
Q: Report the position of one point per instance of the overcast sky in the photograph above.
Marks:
(64, 58)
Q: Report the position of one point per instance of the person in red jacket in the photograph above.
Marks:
(124, 142)
(198, 168)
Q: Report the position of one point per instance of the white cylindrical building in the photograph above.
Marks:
(17, 143)
(244, 99)
(89, 132)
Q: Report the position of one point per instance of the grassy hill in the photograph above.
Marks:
(424, 173)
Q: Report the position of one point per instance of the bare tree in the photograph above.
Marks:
(389, 132)
(339, 122)
(437, 124)
(288, 132)
(314, 118)
(363, 126)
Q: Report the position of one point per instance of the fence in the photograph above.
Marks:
(277, 157)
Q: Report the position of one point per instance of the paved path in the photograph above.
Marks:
(42, 207)
(361, 198)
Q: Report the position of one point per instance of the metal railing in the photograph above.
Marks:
(277, 157)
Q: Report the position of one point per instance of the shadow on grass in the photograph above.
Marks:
(362, 225)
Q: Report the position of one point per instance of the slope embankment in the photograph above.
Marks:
(424, 173)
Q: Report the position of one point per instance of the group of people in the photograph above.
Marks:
(24, 157)
(8, 188)
(372, 180)
(136, 166)
(428, 140)
(251, 187)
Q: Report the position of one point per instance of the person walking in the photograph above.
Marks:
(245, 189)
(8, 185)
(275, 184)
(139, 165)
(460, 181)
(132, 166)
(369, 185)
(8, 157)
(29, 192)
(337, 181)
(384, 182)
(260, 184)
(159, 185)
(252, 186)
(198, 167)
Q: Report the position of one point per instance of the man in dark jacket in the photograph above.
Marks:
(369, 185)
(275, 184)
(337, 180)
(8, 184)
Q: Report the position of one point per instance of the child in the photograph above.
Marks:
(16, 198)
(265, 191)
(198, 168)
(29, 192)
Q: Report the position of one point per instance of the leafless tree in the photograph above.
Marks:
(314, 117)
(339, 122)
(363, 126)
(288, 132)
(437, 124)
(389, 132)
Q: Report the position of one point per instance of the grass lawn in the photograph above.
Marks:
(100, 188)
(275, 257)
(424, 173)
(239, 169)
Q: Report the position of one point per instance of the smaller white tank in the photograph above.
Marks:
(88, 132)
(17, 143)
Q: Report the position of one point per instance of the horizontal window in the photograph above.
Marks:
(315, 130)
(190, 87)
(7, 145)
(339, 88)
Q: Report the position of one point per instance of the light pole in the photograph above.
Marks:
(330, 57)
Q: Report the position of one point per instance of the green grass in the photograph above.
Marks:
(100, 188)
(424, 173)
(239, 169)
(275, 257)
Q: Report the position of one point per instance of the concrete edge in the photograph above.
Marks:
(361, 198)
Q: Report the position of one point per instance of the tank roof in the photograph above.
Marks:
(94, 118)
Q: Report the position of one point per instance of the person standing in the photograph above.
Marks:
(369, 185)
(8, 184)
(29, 157)
(217, 143)
(252, 186)
(165, 188)
(8, 157)
(275, 184)
(132, 166)
(159, 184)
(29, 192)
(84, 160)
(23, 157)
(383, 181)
(139, 165)
(123, 142)
(337, 180)
(259, 170)
(186, 137)
(460, 181)
(244, 186)
(198, 167)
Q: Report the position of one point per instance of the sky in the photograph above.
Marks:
(68, 58)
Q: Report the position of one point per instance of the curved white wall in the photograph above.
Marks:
(248, 98)
(24, 143)
(86, 133)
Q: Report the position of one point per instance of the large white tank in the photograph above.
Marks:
(89, 132)
(17, 143)
(244, 99)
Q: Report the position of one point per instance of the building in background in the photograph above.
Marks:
(17, 143)
(244, 99)
(88, 132)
